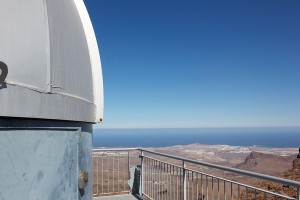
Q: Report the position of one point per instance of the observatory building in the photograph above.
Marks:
(51, 93)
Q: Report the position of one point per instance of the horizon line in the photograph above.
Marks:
(225, 127)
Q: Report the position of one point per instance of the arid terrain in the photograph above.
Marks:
(233, 155)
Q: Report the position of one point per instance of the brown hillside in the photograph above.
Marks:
(264, 163)
(293, 174)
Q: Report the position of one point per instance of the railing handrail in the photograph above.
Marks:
(115, 149)
(229, 169)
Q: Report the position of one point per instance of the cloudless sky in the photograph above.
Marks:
(198, 63)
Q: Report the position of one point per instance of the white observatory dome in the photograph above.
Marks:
(53, 62)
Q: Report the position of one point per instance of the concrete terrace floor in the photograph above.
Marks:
(117, 197)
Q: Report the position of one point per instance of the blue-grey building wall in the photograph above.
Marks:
(42, 159)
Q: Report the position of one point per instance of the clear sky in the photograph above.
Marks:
(199, 63)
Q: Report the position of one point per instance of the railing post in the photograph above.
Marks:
(184, 180)
(128, 159)
(142, 174)
(97, 164)
(298, 193)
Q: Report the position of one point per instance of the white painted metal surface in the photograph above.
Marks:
(54, 69)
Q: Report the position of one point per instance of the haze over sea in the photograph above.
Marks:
(267, 137)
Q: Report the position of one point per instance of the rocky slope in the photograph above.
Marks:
(264, 163)
(292, 174)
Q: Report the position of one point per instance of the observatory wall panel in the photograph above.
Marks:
(44, 163)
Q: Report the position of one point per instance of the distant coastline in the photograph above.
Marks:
(262, 137)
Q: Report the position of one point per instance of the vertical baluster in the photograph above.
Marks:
(165, 183)
(102, 174)
(97, 164)
(239, 193)
(154, 180)
(113, 173)
(153, 191)
(118, 173)
(173, 183)
(231, 191)
(142, 174)
(128, 159)
(162, 181)
(146, 176)
(206, 187)
(247, 193)
(168, 183)
(212, 188)
(166, 180)
(159, 176)
(124, 172)
(108, 173)
(184, 180)
(218, 189)
(180, 185)
(224, 190)
(193, 185)
(197, 185)
(162, 184)
(159, 180)
(177, 189)
(170, 196)
(188, 184)
(201, 185)
(165, 190)
(151, 177)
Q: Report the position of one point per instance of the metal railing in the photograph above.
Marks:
(111, 170)
(167, 177)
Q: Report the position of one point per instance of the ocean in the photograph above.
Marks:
(267, 137)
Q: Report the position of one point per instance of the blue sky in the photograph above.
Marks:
(169, 64)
